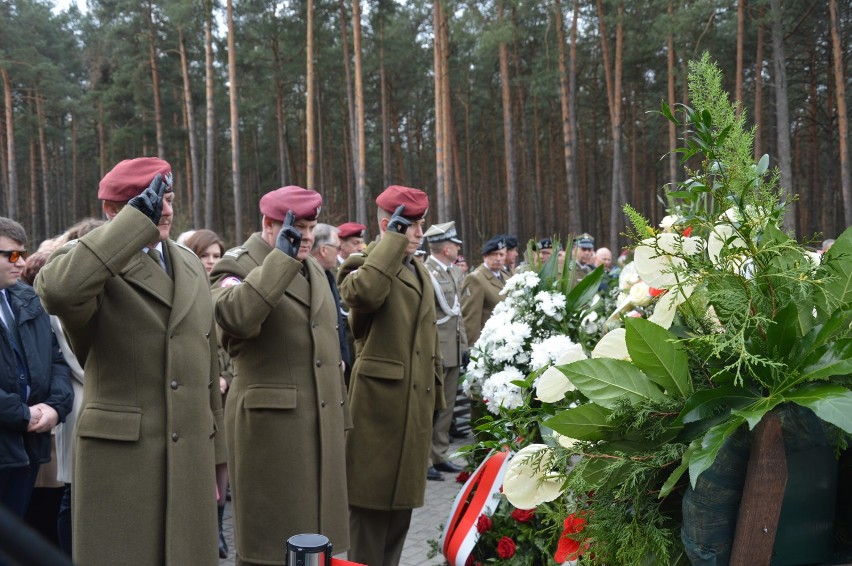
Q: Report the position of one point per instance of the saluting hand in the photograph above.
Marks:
(289, 238)
(150, 202)
(399, 223)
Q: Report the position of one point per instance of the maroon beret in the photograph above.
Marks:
(132, 176)
(351, 230)
(416, 202)
(304, 203)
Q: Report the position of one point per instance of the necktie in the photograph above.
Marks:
(155, 254)
(15, 339)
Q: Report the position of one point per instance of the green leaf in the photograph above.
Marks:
(594, 473)
(586, 422)
(703, 404)
(837, 264)
(605, 381)
(781, 336)
(754, 412)
(656, 352)
(584, 291)
(832, 403)
(818, 336)
(667, 112)
(712, 442)
(675, 476)
(763, 164)
(834, 358)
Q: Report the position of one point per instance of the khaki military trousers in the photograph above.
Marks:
(376, 537)
(441, 428)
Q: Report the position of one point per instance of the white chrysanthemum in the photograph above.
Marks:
(657, 258)
(499, 392)
(520, 284)
(546, 352)
(509, 340)
(551, 304)
(530, 480)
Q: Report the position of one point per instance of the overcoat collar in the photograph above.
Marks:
(142, 272)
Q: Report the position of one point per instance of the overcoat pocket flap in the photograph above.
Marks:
(270, 398)
(110, 423)
(381, 367)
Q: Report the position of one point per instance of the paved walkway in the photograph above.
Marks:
(425, 521)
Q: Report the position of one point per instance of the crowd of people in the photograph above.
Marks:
(311, 376)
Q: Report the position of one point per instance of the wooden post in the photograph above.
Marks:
(763, 493)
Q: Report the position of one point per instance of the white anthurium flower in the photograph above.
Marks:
(668, 221)
(552, 385)
(656, 258)
(640, 294)
(612, 345)
(814, 257)
(666, 307)
(628, 276)
(564, 441)
(530, 480)
(716, 242)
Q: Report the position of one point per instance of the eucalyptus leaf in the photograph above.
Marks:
(703, 404)
(763, 164)
(705, 455)
(605, 381)
(830, 402)
(586, 422)
(656, 352)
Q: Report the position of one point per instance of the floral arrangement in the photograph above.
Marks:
(735, 319)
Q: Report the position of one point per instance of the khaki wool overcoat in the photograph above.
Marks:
(287, 409)
(396, 380)
(144, 489)
(480, 294)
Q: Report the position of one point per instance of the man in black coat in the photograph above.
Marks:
(35, 381)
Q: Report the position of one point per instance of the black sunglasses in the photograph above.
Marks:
(14, 255)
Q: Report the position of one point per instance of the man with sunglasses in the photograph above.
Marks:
(35, 382)
(138, 312)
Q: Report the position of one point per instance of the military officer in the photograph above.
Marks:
(510, 264)
(396, 379)
(481, 288)
(445, 245)
(141, 324)
(286, 411)
(351, 236)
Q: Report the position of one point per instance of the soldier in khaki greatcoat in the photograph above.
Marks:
(396, 379)
(143, 329)
(481, 288)
(444, 245)
(287, 409)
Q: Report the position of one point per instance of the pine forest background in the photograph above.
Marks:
(516, 116)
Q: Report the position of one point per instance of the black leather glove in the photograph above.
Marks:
(465, 358)
(399, 223)
(289, 238)
(150, 202)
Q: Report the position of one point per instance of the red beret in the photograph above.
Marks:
(132, 176)
(304, 203)
(416, 202)
(351, 230)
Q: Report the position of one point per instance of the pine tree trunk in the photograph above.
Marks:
(782, 115)
(568, 133)
(670, 65)
(155, 81)
(446, 109)
(738, 88)
(310, 127)
(361, 163)
(511, 204)
(235, 125)
(209, 84)
(45, 174)
(439, 111)
(387, 178)
(758, 94)
(195, 172)
(842, 117)
(350, 98)
(12, 186)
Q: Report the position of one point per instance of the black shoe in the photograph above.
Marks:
(448, 467)
(433, 475)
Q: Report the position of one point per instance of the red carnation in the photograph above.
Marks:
(523, 515)
(505, 548)
(463, 476)
(483, 524)
(570, 549)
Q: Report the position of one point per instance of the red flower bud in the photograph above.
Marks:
(523, 515)
(505, 548)
(483, 524)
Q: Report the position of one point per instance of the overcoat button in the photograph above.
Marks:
(341, 403)
(322, 403)
(428, 389)
(319, 363)
(415, 386)
(174, 384)
(212, 434)
(174, 437)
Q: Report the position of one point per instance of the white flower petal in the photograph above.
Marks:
(612, 345)
(716, 242)
(553, 385)
(666, 307)
(527, 485)
(640, 294)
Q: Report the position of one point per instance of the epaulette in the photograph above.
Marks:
(185, 248)
(71, 243)
(236, 252)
